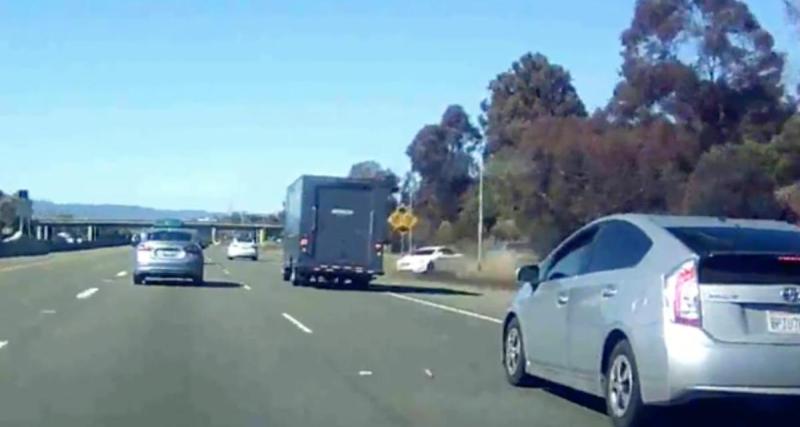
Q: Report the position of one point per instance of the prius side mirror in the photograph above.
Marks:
(528, 274)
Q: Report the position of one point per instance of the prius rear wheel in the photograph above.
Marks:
(623, 393)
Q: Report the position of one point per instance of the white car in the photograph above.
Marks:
(243, 248)
(67, 238)
(424, 260)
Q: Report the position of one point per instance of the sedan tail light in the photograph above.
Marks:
(682, 295)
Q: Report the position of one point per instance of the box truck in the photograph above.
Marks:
(334, 230)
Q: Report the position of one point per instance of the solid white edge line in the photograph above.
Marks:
(297, 323)
(3, 344)
(447, 308)
(87, 293)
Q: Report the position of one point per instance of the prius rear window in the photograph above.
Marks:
(706, 240)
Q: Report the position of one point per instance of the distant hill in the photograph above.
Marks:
(45, 209)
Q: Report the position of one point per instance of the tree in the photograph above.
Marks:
(8, 212)
(706, 65)
(785, 150)
(442, 155)
(373, 170)
(565, 172)
(733, 181)
(532, 88)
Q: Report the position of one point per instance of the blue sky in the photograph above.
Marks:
(221, 104)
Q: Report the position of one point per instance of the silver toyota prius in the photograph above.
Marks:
(169, 253)
(647, 310)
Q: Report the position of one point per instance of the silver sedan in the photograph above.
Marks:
(656, 310)
(169, 253)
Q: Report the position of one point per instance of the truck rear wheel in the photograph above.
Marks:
(360, 282)
(298, 279)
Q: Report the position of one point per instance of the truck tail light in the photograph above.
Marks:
(682, 295)
(379, 248)
(304, 242)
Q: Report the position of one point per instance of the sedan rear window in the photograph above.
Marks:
(708, 240)
(170, 236)
(423, 252)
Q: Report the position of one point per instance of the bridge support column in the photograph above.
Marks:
(214, 235)
(46, 232)
(90, 233)
(39, 232)
(262, 236)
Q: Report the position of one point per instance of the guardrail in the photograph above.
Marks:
(30, 247)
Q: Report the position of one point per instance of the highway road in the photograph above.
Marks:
(80, 345)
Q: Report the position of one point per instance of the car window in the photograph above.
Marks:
(423, 252)
(447, 251)
(705, 240)
(170, 236)
(618, 245)
(573, 257)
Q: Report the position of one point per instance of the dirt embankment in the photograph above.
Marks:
(498, 269)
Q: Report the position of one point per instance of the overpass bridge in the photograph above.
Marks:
(93, 227)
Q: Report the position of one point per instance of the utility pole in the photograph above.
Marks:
(411, 210)
(480, 214)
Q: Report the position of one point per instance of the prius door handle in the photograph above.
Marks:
(609, 291)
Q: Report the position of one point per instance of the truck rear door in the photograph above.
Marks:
(344, 226)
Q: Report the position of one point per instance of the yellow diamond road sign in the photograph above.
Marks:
(402, 221)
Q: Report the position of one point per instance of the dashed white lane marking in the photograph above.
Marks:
(428, 373)
(48, 311)
(297, 323)
(365, 373)
(3, 344)
(122, 274)
(108, 281)
(225, 270)
(87, 293)
(447, 308)
(247, 288)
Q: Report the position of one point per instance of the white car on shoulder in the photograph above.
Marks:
(424, 260)
(243, 248)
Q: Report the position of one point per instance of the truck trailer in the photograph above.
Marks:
(335, 230)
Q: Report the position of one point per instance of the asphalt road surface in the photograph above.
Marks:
(80, 345)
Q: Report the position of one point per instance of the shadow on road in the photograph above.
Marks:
(738, 412)
(217, 284)
(398, 289)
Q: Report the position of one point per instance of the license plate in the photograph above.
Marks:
(168, 254)
(783, 323)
